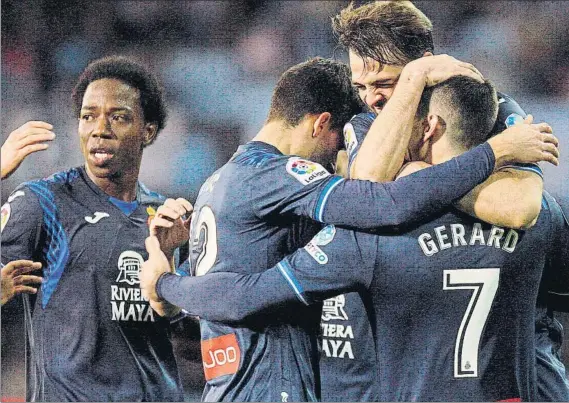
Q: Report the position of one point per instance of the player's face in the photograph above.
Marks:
(374, 86)
(111, 128)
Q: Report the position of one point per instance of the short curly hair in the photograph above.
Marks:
(316, 86)
(132, 73)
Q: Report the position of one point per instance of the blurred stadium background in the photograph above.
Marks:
(218, 61)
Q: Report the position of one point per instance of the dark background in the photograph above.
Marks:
(219, 61)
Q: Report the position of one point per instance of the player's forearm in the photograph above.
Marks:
(226, 297)
(508, 198)
(382, 152)
(362, 204)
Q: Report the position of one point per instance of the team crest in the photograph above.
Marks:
(129, 265)
(333, 309)
(350, 139)
(305, 171)
(513, 119)
(6, 210)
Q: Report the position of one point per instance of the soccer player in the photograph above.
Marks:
(27, 139)
(92, 336)
(382, 37)
(441, 294)
(247, 218)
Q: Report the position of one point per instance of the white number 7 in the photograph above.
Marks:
(484, 283)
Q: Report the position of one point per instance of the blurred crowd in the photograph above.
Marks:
(219, 60)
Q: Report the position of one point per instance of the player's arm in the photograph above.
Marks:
(509, 198)
(556, 272)
(334, 262)
(383, 149)
(22, 218)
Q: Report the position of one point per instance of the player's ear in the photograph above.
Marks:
(150, 133)
(321, 123)
(433, 127)
(427, 54)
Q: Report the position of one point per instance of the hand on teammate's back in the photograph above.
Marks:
(16, 280)
(26, 139)
(439, 68)
(169, 226)
(525, 143)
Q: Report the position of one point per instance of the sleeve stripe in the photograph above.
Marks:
(534, 169)
(285, 269)
(319, 211)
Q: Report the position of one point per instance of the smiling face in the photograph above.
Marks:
(112, 130)
(374, 86)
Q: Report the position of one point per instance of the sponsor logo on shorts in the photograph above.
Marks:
(221, 356)
(306, 171)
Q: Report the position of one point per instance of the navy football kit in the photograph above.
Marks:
(263, 205)
(452, 300)
(92, 335)
(336, 385)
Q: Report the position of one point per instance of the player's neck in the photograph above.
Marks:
(277, 134)
(444, 153)
(122, 187)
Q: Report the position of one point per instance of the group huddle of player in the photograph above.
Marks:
(427, 269)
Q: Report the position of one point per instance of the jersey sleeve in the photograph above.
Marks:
(556, 271)
(333, 262)
(304, 188)
(354, 133)
(22, 218)
(510, 113)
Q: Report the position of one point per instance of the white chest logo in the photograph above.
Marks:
(129, 266)
(98, 216)
(333, 308)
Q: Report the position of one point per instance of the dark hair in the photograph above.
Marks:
(132, 73)
(469, 107)
(316, 86)
(389, 32)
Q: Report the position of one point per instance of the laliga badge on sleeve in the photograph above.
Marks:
(305, 171)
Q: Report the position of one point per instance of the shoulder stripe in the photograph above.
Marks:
(56, 250)
(321, 204)
(286, 271)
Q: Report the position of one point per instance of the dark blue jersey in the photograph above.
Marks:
(347, 358)
(453, 301)
(333, 371)
(554, 295)
(248, 218)
(93, 337)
